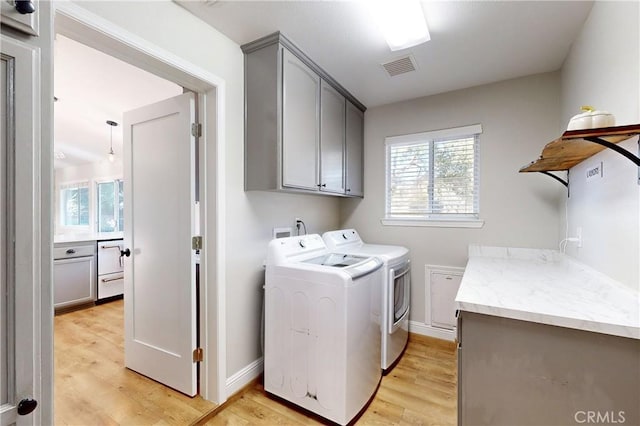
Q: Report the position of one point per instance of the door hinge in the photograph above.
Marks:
(198, 355)
(196, 243)
(196, 130)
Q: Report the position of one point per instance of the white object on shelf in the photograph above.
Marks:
(589, 118)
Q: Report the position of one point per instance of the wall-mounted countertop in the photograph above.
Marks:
(88, 236)
(547, 287)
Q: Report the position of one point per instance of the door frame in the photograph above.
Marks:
(77, 23)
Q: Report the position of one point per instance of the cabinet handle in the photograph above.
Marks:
(348, 189)
(108, 280)
(110, 247)
(25, 7)
(26, 406)
(324, 185)
(70, 251)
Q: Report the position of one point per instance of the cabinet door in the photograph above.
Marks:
(73, 281)
(300, 123)
(355, 151)
(25, 333)
(332, 132)
(27, 23)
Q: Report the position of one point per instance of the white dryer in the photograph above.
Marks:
(396, 288)
(322, 331)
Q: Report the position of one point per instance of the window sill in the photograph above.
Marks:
(435, 223)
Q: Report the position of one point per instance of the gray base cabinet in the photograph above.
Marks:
(522, 373)
(303, 131)
(74, 274)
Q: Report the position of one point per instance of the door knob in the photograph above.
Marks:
(25, 7)
(125, 252)
(26, 406)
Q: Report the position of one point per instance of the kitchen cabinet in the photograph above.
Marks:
(543, 338)
(300, 124)
(300, 129)
(25, 22)
(354, 147)
(332, 139)
(74, 274)
(519, 372)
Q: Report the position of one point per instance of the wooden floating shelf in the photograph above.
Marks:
(573, 147)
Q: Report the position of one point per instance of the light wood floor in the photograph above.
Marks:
(92, 387)
(420, 390)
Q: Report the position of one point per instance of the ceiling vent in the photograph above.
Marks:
(400, 66)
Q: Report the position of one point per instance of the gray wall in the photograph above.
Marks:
(521, 210)
(603, 70)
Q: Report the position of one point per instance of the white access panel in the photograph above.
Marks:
(442, 286)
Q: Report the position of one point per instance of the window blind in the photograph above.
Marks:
(433, 177)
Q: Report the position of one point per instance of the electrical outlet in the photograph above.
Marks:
(579, 236)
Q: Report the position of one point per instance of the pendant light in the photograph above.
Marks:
(112, 155)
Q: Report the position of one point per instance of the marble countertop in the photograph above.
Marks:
(547, 287)
(87, 236)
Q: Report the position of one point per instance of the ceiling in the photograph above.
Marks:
(472, 42)
(91, 88)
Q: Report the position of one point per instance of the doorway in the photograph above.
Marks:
(91, 31)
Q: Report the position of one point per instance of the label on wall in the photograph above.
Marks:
(595, 172)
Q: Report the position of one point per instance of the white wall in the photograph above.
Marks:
(603, 70)
(90, 172)
(520, 210)
(250, 216)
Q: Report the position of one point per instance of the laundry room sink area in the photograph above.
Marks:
(522, 325)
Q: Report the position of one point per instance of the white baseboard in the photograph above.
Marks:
(243, 377)
(427, 330)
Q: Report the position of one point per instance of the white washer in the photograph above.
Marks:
(322, 330)
(396, 288)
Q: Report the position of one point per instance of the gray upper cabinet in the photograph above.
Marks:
(354, 151)
(297, 131)
(25, 22)
(332, 138)
(300, 130)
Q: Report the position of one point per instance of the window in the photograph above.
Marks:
(433, 176)
(110, 205)
(74, 204)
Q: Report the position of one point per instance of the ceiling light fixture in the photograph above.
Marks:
(112, 155)
(402, 22)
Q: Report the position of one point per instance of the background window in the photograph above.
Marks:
(110, 206)
(75, 204)
(433, 175)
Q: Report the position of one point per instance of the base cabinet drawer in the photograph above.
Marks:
(110, 285)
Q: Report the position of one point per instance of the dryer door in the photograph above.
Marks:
(399, 299)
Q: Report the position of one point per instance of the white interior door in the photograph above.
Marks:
(160, 290)
(23, 371)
